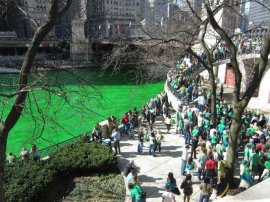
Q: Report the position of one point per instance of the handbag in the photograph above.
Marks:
(176, 191)
(143, 195)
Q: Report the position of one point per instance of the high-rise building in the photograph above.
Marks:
(114, 18)
(36, 14)
(78, 9)
(244, 18)
(259, 18)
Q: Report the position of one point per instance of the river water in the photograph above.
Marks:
(102, 95)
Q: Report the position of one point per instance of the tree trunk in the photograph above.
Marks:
(213, 99)
(18, 106)
(232, 149)
(3, 143)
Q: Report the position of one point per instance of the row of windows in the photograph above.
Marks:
(126, 4)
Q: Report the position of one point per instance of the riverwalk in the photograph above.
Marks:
(154, 170)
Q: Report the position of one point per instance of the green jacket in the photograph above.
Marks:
(136, 192)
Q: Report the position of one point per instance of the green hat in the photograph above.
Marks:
(248, 170)
(245, 162)
(267, 165)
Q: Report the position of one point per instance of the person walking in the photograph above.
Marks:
(136, 191)
(187, 188)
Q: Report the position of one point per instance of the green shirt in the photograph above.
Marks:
(190, 166)
(246, 154)
(135, 192)
(221, 127)
(189, 114)
(206, 123)
(251, 131)
(214, 139)
(195, 132)
(255, 159)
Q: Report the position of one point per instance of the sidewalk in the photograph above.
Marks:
(154, 170)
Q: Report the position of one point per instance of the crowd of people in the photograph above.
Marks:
(25, 154)
(206, 145)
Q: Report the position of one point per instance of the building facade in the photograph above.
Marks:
(111, 19)
(259, 18)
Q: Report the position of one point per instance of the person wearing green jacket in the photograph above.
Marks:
(136, 191)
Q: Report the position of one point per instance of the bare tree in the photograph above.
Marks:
(203, 26)
(240, 101)
(22, 90)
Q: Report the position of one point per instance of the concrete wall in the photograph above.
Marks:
(257, 193)
(171, 98)
(264, 91)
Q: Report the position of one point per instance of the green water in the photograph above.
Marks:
(101, 96)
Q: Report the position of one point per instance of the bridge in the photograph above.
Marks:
(225, 75)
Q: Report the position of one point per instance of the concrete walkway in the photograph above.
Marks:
(154, 170)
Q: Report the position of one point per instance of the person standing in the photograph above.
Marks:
(171, 182)
(187, 130)
(152, 144)
(140, 140)
(116, 139)
(159, 138)
(184, 159)
(194, 145)
(210, 167)
(221, 91)
(168, 122)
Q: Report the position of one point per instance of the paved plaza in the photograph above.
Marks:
(154, 170)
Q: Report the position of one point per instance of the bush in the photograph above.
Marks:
(110, 187)
(28, 180)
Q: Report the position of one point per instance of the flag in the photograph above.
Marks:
(143, 22)
(129, 24)
(161, 22)
(99, 27)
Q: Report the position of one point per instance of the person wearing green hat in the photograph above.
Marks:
(266, 171)
(247, 179)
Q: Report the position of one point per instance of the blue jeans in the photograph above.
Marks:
(183, 167)
(152, 148)
(140, 147)
(204, 198)
(187, 137)
(200, 174)
(126, 128)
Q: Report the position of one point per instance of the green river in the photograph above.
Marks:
(89, 102)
